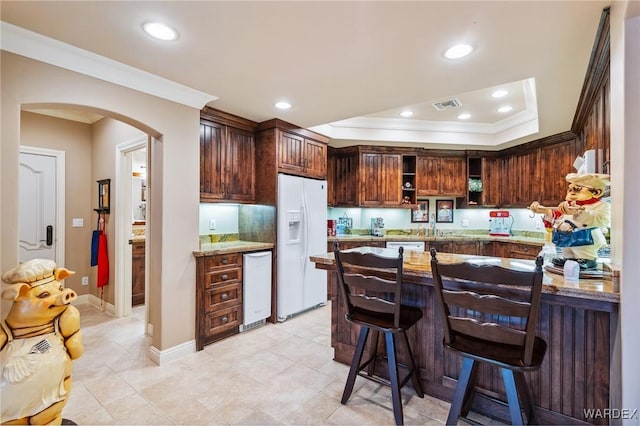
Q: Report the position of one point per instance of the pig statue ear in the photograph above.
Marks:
(15, 291)
(62, 273)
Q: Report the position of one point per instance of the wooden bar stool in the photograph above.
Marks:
(489, 315)
(371, 286)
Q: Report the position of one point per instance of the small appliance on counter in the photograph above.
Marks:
(500, 222)
(377, 225)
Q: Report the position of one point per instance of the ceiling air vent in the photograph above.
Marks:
(448, 104)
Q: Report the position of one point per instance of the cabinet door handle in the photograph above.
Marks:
(224, 319)
(224, 277)
(224, 296)
(224, 260)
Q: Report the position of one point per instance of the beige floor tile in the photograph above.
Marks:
(280, 373)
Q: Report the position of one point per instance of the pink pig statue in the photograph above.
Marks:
(38, 339)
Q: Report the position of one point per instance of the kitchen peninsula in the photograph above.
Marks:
(578, 321)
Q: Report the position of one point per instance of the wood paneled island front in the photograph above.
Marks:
(577, 320)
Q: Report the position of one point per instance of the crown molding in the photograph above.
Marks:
(54, 52)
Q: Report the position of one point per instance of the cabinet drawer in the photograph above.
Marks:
(137, 249)
(223, 320)
(523, 252)
(223, 261)
(223, 296)
(222, 276)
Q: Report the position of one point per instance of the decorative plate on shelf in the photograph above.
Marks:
(475, 185)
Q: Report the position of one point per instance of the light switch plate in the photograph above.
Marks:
(465, 223)
(77, 222)
(212, 224)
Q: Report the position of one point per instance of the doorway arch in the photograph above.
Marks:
(174, 153)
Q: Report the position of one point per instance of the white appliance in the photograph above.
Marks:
(377, 224)
(500, 223)
(302, 221)
(407, 245)
(256, 288)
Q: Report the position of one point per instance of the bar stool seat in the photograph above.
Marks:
(489, 315)
(371, 286)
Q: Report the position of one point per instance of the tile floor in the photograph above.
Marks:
(281, 374)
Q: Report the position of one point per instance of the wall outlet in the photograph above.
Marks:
(212, 224)
(77, 222)
(85, 280)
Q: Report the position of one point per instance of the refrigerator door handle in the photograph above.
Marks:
(305, 235)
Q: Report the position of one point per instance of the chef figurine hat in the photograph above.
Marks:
(590, 180)
(36, 272)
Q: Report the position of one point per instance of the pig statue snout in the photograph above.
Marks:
(67, 296)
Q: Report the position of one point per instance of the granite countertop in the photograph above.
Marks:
(418, 264)
(212, 249)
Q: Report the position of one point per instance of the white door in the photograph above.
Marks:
(37, 207)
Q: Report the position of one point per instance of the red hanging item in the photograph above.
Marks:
(103, 257)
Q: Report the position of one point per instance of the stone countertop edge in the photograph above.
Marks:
(600, 289)
(212, 249)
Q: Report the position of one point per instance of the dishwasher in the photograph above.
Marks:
(407, 245)
(256, 289)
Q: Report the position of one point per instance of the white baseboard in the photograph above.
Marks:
(173, 353)
(95, 301)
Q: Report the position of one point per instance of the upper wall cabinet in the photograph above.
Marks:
(380, 179)
(297, 151)
(227, 157)
(441, 176)
(343, 173)
(282, 147)
(484, 187)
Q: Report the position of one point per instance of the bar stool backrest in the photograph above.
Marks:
(489, 303)
(370, 282)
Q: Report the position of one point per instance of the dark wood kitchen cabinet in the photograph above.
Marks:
(343, 189)
(487, 170)
(227, 157)
(521, 173)
(218, 297)
(441, 176)
(556, 161)
(380, 179)
(293, 150)
(137, 272)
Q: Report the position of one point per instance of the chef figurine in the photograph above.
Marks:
(583, 211)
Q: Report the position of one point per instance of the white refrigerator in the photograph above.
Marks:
(302, 232)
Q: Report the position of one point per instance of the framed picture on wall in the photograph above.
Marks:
(421, 214)
(444, 211)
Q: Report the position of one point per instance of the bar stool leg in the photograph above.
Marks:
(355, 364)
(523, 390)
(415, 375)
(396, 397)
(463, 390)
(512, 396)
(373, 348)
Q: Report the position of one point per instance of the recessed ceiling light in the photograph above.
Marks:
(464, 116)
(160, 31)
(406, 113)
(500, 93)
(505, 108)
(283, 105)
(458, 51)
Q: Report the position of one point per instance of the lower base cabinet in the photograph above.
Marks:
(218, 297)
(137, 272)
